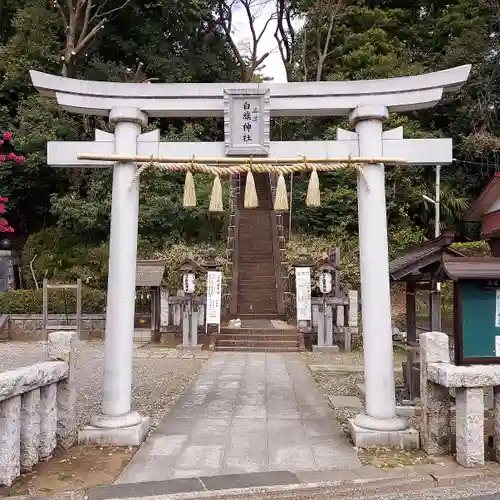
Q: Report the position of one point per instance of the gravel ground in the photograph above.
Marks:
(160, 375)
(345, 384)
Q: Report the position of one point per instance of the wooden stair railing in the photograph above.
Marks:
(231, 292)
(279, 245)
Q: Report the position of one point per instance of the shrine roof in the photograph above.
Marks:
(488, 196)
(411, 261)
(149, 273)
(457, 268)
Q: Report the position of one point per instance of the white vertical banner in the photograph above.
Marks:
(303, 293)
(164, 309)
(214, 297)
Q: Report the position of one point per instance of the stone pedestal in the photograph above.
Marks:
(406, 439)
(190, 348)
(118, 436)
(190, 330)
(326, 349)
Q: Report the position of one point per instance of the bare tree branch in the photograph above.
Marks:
(83, 44)
(112, 11)
(285, 35)
(63, 15)
(324, 54)
(226, 18)
(329, 9)
(250, 61)
(82, 23)
(304, 54)
(86, 21)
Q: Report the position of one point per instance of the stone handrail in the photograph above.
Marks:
(438, 377)
(4, 321)
(37, 409)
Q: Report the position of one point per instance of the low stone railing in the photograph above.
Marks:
(37, 409)
(438, 377)
(29, 327)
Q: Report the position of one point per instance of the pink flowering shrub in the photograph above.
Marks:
(7, 156)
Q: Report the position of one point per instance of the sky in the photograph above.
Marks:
(273, 66)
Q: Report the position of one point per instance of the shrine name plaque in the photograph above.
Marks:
(246, 122)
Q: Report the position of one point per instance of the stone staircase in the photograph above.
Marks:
(257, 340)
(257, 285)
(259, 299)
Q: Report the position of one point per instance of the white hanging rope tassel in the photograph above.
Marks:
(251, 199)
(281, 199)
(189, 191)
(313, 198)
(216, 204)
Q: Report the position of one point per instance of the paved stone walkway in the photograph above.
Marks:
(246, 412)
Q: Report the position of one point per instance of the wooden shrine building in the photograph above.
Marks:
(149, 276)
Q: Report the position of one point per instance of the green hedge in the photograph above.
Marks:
(60, 301)
(473, 248)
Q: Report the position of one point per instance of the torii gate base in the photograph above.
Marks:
(368, 104)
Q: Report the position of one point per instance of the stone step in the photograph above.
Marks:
(257, 304)
(253, 248)
(251, 295)
(258, 316)
(257, 297)
(257, 250)
(257, 332)
(257, 338)
(256, 349)
(261, 258)
(264, 280)
(263, 268)
(257, 343)
(270, 302)
(257, 310)
(263, 310)
(266, 284)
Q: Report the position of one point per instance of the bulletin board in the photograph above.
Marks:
(477, 322)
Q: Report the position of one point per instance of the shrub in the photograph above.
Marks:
(61, 256)
(316, 248)
(177, 253)
(60, 301)
(473, 248)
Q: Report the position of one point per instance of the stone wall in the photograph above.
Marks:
(37, 409)
(474, 388)
(29, 327)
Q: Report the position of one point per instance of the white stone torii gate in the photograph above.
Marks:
(367, 103)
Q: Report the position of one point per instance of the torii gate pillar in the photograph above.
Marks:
(374, 263)
(128, 426)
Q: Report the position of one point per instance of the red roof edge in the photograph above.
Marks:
(489, 194)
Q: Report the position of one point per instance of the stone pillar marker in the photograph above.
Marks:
(434, 398)
(470, 426)
(117, 424)
(61, 347)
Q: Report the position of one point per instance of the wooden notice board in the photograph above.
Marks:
(477, 322)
